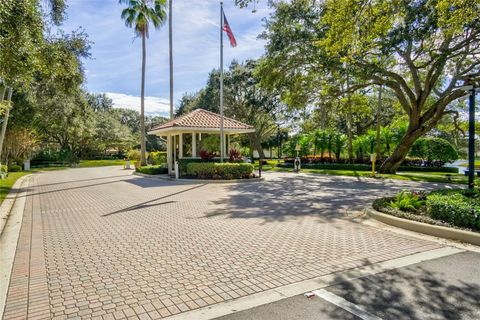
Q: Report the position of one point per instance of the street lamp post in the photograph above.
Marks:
(471, 138)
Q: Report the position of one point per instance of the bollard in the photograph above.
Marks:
(177, 174)
(373, 158)
(26, 165)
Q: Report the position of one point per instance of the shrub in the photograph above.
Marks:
(158, 157)
(434, 149)
(134, 155)
(235, 156)
(428, 169)
(152, 169)
(210, 170)
(182, 164)
(408, 201)
(455, 208)
(14, 168)
(206, 155)
(3, 168)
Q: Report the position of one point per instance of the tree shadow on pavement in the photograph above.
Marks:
(289, 197)
(410, 293)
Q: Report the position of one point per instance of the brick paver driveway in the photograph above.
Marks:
(101, 242)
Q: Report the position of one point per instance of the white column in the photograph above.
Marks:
(169, 153)
(180, 146)
(194, 145)
(223, 144)
(174, 145)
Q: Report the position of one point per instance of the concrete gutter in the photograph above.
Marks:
(9, 201)
(168, 178)
(430, 229)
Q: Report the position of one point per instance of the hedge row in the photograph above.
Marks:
(366, 167)
(428, 169)
(447, 207)
(152, 169)
(212, 170)
(455, 207)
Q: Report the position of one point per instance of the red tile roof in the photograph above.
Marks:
(203, 119)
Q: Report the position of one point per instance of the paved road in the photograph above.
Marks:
(99, 242)
(444, 288)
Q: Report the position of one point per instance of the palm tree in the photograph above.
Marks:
(139, 14)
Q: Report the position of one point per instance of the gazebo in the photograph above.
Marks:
(184, 134)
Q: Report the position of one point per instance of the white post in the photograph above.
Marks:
(26, 165)
(169, 153)
(177, 173)
(174, 144)
(194, 145)
(180, 146)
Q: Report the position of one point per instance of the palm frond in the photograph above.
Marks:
(140, 13)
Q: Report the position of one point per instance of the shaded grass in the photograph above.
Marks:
(100, 163)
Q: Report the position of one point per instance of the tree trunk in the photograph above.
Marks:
(5, 121)
(142, 104)
(256, 145)
(170, 52)
(393, 162)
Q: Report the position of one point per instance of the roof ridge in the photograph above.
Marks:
(190, 119)
(217, 115)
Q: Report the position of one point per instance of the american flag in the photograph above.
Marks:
(226, 28)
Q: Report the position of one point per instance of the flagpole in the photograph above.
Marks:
(222, 143)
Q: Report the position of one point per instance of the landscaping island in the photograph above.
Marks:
(454, 208)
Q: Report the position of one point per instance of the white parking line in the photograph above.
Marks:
(345, 305)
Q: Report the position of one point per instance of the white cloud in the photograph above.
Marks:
(116, 63)
(153, 105)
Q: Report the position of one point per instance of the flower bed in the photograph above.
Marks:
(221, 171)
(458, 208)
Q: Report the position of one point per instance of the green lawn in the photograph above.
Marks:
(7, 184)
(100, 163)
(477, 164)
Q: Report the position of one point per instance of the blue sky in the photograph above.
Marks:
(116, 55)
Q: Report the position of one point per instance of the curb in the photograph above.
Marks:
(432, 230)
(9, 201)
(11, 225)
(151, 176)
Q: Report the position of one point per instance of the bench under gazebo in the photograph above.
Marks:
(184, 134)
